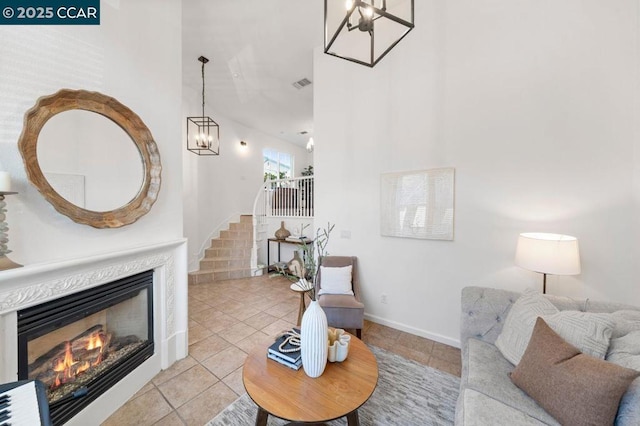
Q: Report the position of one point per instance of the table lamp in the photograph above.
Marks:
(548, 254)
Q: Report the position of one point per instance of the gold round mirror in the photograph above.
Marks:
(53, 166)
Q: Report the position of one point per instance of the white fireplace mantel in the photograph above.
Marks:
(31, 285)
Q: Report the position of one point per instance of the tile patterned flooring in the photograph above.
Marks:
(226, 320)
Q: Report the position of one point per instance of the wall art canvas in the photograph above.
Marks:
(418, 204)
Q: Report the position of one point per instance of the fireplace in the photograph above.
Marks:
(82, 344)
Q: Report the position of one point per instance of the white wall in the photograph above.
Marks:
(218, 188)
(134, 55)
(535, 104)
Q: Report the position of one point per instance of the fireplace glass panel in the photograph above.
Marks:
(71, 356)
(82, 344)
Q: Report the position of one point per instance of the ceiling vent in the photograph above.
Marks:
(301, 83)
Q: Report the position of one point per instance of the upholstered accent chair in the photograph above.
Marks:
(342, 310)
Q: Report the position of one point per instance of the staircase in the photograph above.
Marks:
(279, 199)
(229, 256)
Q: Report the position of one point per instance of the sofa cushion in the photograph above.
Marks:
(487, 371)
(589, 332)
(342, 311)
(575, 388)
(478, 409)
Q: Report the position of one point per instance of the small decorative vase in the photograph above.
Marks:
(338, 345)
(282, 233)
(313, 340)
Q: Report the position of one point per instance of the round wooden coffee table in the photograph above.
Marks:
(292, 395)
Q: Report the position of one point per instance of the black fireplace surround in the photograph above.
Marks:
(40, 320)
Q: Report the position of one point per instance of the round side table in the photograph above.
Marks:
(291, 395)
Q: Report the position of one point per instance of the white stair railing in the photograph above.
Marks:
(282, 198)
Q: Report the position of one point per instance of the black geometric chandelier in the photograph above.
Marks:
(364, 31)
(203, 134)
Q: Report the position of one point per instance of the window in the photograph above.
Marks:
(277, 165)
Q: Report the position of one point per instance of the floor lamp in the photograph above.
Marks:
(548, 254)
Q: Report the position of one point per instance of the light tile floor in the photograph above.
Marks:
(226, 320)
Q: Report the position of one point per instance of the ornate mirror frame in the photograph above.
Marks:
(65, 100)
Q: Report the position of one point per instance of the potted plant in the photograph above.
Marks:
(314, 328)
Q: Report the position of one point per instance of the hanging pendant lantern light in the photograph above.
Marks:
(203, 134)
(364, 31)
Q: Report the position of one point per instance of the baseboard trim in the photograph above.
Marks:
(417, 331)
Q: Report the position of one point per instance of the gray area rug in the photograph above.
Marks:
(407, 394)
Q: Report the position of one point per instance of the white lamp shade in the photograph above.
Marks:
(548, 253)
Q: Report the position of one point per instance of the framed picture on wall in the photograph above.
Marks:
(418, 204)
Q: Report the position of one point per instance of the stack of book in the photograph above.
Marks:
(290, 359)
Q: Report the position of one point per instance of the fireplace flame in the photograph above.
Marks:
(95, 341)
(64, 365)
(68, 367)
(84, 367)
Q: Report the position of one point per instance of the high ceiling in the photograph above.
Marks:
(257, 50)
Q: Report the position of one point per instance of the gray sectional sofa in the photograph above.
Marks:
(487, 395)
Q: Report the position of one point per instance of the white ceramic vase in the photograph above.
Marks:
(313, 340)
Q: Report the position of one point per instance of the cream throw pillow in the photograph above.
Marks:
(588, 332)
(518, 326)
(335, 280)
